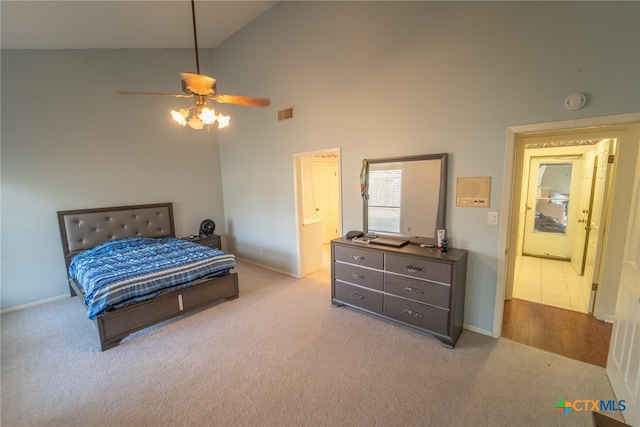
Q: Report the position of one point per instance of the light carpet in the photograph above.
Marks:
(280, 355)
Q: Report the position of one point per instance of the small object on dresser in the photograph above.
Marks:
(388, 241)
(354, 234)
(443, 246)
(441, 237)
(361, 239)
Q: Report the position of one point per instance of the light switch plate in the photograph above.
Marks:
(492, 218)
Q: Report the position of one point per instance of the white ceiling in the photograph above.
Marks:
(55, 24)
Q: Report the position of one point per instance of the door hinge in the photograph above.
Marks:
(594, 287)
(612, 158)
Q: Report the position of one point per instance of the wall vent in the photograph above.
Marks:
(285, 114)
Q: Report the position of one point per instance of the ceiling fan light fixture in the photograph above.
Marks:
(202, 88)
(207, 115)
(198, 116)
(223, 121)
(180, 116)
(195, 123)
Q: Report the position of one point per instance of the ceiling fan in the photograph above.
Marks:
(202, 88)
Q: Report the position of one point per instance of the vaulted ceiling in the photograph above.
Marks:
(99, 24)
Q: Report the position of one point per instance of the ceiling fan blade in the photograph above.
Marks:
(175, 95)
(242, 100)
(198, 83)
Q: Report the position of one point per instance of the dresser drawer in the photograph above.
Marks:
(359, 256)
(360, 297)
(359, 276)
(419, 290)
(421, 315)
(420, 268)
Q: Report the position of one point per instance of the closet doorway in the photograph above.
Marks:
(318, 210)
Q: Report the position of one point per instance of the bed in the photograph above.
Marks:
(104, 230)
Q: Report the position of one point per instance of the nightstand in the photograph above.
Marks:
(212, 241)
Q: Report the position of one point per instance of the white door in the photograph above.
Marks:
(584, 209)
(326, 198)
(623, 364)
(596, 224)
(551, 208)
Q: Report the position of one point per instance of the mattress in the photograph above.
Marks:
(120, 272)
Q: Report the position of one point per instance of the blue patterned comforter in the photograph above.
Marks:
(119, 272)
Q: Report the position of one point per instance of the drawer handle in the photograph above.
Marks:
(358, 296)
(413, 269)
(357, 257)
(414, 290)
(412, 313)
(357, 276)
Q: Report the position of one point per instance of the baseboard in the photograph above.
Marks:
(33, 304)
(286, 273)
(477, 330)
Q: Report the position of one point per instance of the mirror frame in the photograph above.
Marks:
(442, 196)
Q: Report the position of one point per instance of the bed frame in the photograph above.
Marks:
(85, 228)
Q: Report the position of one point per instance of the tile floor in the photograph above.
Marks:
(550, 282)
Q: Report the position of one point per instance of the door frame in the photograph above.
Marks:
(512, 184)
(299, 211)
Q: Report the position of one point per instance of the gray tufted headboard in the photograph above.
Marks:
(85, 228)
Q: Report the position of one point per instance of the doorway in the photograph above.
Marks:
(560, 211)
(624, 129)
(318, 211)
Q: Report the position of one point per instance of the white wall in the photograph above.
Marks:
(69, 141)
(382, 79)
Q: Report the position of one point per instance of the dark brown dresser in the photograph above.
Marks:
(418, 287)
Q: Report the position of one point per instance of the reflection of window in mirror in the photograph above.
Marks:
(384, 199)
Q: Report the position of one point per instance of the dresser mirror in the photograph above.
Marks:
(405, 197)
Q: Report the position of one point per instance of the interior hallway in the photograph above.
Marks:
(550, 282)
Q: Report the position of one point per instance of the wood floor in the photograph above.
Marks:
(575, 335)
